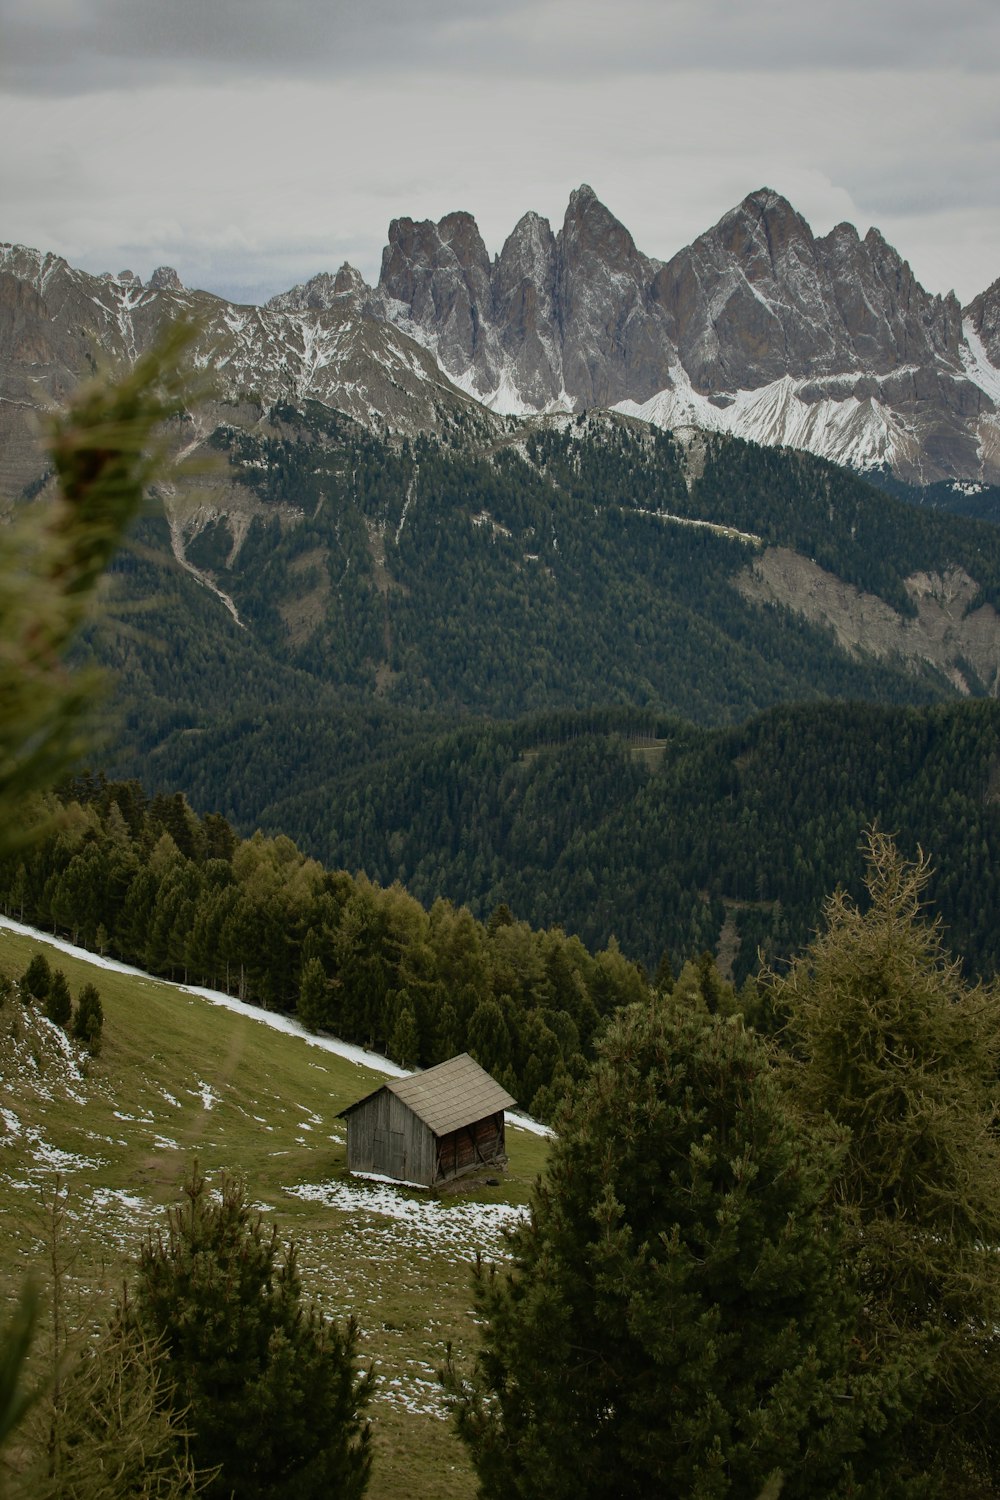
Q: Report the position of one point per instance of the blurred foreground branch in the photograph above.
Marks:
(106, 447)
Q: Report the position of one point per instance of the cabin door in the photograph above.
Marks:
(397, 1153)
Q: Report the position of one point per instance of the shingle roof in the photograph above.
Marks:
(455, 1093)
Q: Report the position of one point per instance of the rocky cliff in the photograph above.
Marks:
(759, 328)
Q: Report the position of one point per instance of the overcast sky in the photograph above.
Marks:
(252, 143)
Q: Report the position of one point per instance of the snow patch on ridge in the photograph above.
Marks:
(863, 434)
(978, 366)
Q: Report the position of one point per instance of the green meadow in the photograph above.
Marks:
(180, 1079)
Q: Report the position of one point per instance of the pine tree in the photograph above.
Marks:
(58, 1001)
(313, 999)
(37, 977)
(895, 1046)
(677, 1320)
(113, 1434)
(88, 1019)
(272, 1394)
(404, 1044)
(99, 1425)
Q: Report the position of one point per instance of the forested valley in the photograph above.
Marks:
(619, 823)
(504, 888)
(501, 667)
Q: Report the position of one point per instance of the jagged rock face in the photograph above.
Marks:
(165, 279)
(984, 315)
(554, 318)
(759, 297)
(323, 292)
(525, 309)
(441, 275)
(615, 343)
(759, 327)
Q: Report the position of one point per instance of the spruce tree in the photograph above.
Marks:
(313, 1002)
(88, 1019)
(58, 1001)
(677, 1320)
(273, 1397)
(37, 977)
(404, 1044)
(893, 1044)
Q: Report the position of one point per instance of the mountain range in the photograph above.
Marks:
(759, 328)
(466, 530)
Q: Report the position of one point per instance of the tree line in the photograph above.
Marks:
(633, 823)
(148, 881)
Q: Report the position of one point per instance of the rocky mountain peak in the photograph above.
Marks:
(591, 231)
(460, 232)
(322, 292)
(165, 279)
(437, 281)
(983, 313)
(350, 282)
(528, 253)
(758, 327)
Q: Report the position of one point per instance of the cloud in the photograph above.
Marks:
(63, 47)
(253, 145)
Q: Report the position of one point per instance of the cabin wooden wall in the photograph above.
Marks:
(470, 1147)
(385, 1136)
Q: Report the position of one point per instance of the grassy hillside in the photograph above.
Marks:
(180, 1078)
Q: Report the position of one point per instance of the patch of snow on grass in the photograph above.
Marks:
(49, 1158)
(124, 1217)
(204, 1092)
(422, 1397)
(105, 1198)
(455, 1231)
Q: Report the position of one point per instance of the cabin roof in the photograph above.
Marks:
(455, 1093)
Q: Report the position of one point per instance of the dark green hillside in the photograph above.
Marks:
(658, 844)
(378, 581)
(182, 897)
(531, 576)
(451, 650)
(540, 571)
(979, 502)
(649, 828)
(864, 536)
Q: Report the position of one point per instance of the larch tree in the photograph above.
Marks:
(889, 1041)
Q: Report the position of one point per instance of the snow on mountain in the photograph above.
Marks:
(860, 433)
(758, 328)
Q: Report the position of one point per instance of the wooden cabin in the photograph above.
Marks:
(431, 1126)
